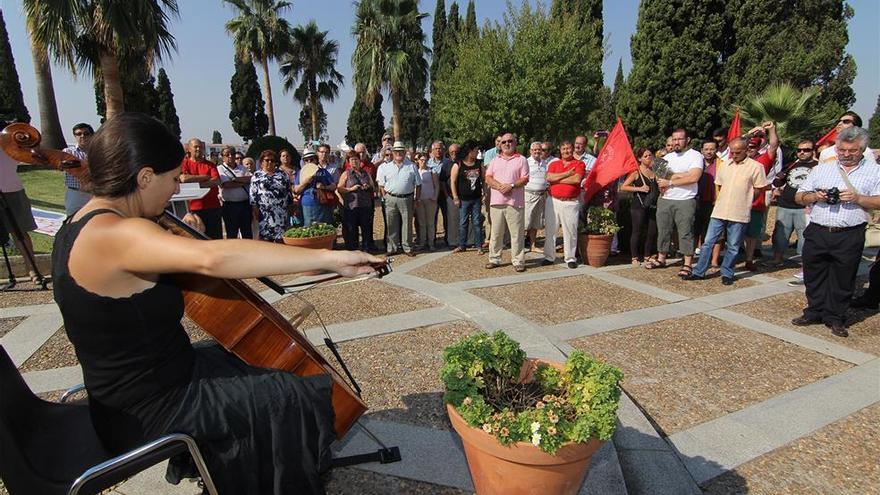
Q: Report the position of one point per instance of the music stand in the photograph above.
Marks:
(19, 235)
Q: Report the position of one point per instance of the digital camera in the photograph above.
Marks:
(832, 195)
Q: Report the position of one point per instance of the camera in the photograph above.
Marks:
(832, 195)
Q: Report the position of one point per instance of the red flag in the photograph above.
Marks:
(829, 138)
(734, 130)
(615, 160)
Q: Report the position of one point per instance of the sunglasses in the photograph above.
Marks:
(509, 141)
(805, 150)
(269, 160)
(846, 121)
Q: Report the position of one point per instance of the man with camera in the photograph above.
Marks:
(841, 192)
(74, 196)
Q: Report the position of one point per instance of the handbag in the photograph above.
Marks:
(648, 199)
(872, 230)
(326, 196)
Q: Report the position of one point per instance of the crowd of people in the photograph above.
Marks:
(682, 202)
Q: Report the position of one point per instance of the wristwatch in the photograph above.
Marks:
(513, 185)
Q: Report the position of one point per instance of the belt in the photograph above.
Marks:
(399, 195)
(860, 226)
(574, 198)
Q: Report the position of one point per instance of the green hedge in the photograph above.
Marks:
(273, 143)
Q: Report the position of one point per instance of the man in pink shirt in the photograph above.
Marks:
(506, 176)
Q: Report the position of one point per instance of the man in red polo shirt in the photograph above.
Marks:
(564, 175)
(758, 220)
(198, 169)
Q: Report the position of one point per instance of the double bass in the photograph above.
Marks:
(227, 309)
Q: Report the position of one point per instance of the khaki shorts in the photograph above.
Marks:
(20, 208)
(534, 215)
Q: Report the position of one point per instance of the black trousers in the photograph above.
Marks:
(237, 217)
(831, 262)
(644, 232)
(356, 220)
(211, 217)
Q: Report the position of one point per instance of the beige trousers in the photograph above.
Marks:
(507, 220)
(565, 214)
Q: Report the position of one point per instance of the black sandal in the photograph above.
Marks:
(685, 271)
(654, 263)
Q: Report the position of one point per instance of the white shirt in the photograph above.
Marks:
(537, 175)
(227, 173)
(829, 155)
(680, 163)
(398, 180)
(865, 178)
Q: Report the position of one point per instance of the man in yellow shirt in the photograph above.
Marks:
(740, 180)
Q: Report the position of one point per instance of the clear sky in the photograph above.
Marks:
(202, 67)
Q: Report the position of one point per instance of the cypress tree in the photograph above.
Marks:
(437, 38)
(801, 42)
(589, 12)
(247, 109)
(675, 73)
(365, 124)
(618, 86)
(305, 123)
(470, 27)
(453, 24)
(167, 110)
(874, 127)
(11, 98)
(216, 137)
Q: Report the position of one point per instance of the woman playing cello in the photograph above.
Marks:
(260, 430)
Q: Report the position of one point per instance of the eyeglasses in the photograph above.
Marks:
(846, 121)
(82, 133)
(805, 150)
(226, 154)
(509, 141)
(386, 139)
(269, 160)
(545, 150)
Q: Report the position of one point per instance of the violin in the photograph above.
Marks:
(227, 309)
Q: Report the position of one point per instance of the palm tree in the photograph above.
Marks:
(390, 52)
(260, 34)
(312, 61)
(95, 33)
(789, 108)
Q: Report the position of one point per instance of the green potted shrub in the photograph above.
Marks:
(315, 236)
(596, 231)
(527, 423)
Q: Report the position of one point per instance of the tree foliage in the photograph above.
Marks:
(390, 51)
(588, 13)
(801, 42)
(365, 122)
(676, 73)
(247, 110)
(138, 86)
(312, 61)
(437, 38)
(790, 109)
(470, 27)
(167, 110)
(874, 127)
(216, 137)
(535, 92)
(305, 123)
(615, 92)
(11, 98)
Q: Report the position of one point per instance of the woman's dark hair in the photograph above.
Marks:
(464, 150)
(352, 155)
(268, 154)
(640, 152)
(123, 146)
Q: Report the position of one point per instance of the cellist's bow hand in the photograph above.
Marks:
(355, 263)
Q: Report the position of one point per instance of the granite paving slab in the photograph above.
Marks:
(689, 370)
(25, 293)
(864, 330)
(841, 458)
(667, 279)
(353, 481)
(471, 266)
(7, 324)
(56, 352)
(550, 302)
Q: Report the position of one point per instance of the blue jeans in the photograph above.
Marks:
(316, 213)
(788, 220)
(735, 232)
(469, 211)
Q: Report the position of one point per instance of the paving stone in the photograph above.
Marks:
(7, 324)
(667, 279)
(470, 266)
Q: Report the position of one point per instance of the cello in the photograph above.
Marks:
(227, 309)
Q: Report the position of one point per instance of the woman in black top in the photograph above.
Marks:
(260, 430)
(466, 181)
(643, 209)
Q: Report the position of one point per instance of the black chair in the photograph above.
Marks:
(51, 448)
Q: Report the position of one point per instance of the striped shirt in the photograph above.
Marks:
(70, 181)
(865, 178)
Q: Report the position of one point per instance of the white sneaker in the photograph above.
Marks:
(697, 252)
(799, 275)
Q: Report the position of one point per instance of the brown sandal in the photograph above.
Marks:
(654, 263)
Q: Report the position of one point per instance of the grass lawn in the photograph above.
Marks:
(45, 188)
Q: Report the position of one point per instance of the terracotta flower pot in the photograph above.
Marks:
(320, 242)
(595, 248)
(522, 468)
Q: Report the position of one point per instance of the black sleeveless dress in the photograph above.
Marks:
(261, 431)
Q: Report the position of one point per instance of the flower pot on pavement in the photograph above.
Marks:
(522, 468)
(595, 248)
(320, 242)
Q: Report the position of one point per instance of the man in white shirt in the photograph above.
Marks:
(399, 184)
(536, 193)
(676, 207)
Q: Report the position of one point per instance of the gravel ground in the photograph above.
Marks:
(351, 481)
(24, 295)
(400, 373)
(57, 352)
(864, 330)
(690, 370)
(355, 301)
(530, 300)
(840, 458)
(8, 324)
(471, 266)
(666, 278)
